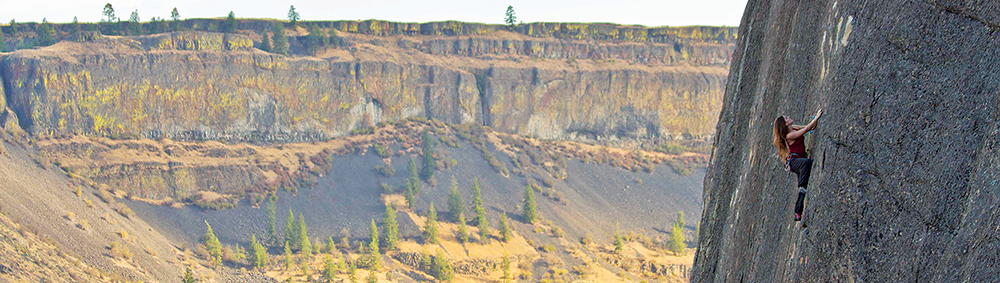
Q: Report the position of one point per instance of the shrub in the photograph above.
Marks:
(119, 250)
(450, 141)
(549, 183)
(105, 196)
(234, 255)
(123, 209)
(386, 171)
(558, 232)
(494, 163)
(84, 224)
(583, 270)
(150, 251)
(382, 150)
(388, 189)
(525, 274)
(671, 148)
(363, 131)
(680, 168)
(547, 248)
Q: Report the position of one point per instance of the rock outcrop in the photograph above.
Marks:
(197, 85)
(904, 185)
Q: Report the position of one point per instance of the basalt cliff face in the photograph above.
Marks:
(904, 185)
(598, 83)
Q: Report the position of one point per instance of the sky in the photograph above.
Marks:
(643, 12)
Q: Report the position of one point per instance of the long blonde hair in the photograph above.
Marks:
(780, 132)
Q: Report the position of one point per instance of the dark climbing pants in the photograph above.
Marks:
(802, 167)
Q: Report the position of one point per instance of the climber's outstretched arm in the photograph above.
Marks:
(796, 133)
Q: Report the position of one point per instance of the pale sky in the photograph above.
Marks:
(643, 12)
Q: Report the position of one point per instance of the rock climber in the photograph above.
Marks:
(790, 141)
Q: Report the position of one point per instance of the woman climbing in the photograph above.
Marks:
(790, 141)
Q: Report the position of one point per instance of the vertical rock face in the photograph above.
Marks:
(904, 185)
(196, 85)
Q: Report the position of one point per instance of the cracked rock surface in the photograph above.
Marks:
(904, 184)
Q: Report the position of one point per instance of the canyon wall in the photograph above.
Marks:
(904, 180)
(199, 85)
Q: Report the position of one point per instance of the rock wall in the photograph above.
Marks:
(904, 184)
(194, 86)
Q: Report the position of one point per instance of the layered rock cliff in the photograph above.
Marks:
(904, 185)
(666, 83)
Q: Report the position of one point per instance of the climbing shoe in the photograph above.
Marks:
(798, 216)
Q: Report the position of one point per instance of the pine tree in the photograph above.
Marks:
(176, 19)
(230, 25)
(619, 244)
(134, 25)
(108, 13)
(272, 233)
(341, 263)
(258, 254)
(462, 234)
(390, 228)
(455, 206)
(188, 276)
(413, 181)
(154, 28)
(440, 268)
(352, 272)
(330, 246)
(484, 230)
(371, 277)
(334, 39)
(280, 42)
(505, 233)
(74, 27)
(293, 16)
(510, 19)
(305, 246)
(530, 215)
(431, 226)
(315, 40)
(505, 265)
(427, 171)
(329, 269)
(3, 47)
(374, 257)
(410, 198)
(212, 244)
(290, 230)
(44, 32)
(477, 200)
(345, 238)
(481, 222)
(680, 219)
(265, 42)
(288, 256)
(677, 240)
(304, 267)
